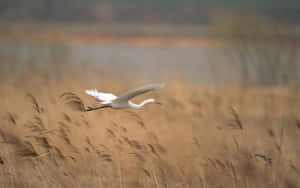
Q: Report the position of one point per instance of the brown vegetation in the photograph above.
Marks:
(199, 137)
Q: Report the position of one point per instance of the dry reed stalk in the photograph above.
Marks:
(67, 117)
(221, 164)
(43, 141)
(160, 148)
(26, 149)
(64, 136)
(233, 173)
(271, 132)
(138, 156)
(111, 133)
(73, 101)
(64, 126)
(153, 150)
(133, 143)
(147, 173)
(12, 118)
(1, 160)
(197, 143)
(236, 118)
(35, 103)
(181, 174)
(124, 129)
(85, 122)
(106, 157)
(138, 118)
(59, 153)
(298, 124)
(37, 125)
(297, 170)
(265, 158)
(236, 143)
(212, 162)
(120, 171)
(154, 176)
(52, 132)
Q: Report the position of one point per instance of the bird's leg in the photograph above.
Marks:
(96, 108)
(88, 108)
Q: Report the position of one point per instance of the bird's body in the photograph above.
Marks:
(109, 100)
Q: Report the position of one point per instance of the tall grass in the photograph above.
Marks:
(199, 137)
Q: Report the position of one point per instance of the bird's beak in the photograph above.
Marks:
(160, 103)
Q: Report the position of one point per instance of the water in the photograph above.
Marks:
(203, 65)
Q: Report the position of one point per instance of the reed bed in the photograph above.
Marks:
(200, 136)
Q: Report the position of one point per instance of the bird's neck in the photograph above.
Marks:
(142, 103)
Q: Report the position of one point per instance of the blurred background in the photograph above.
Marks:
(246, 42)
(230, 113)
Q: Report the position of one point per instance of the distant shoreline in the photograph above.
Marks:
(147, 35)
(129, 34)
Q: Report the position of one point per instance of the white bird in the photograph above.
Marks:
(109, 100)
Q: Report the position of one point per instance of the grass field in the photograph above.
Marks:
(200, 137)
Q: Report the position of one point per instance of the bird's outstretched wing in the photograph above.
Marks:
(101, 96)
(129, 95)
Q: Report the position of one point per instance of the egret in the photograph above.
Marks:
(109, 100)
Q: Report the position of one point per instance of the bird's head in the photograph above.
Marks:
(156, 102)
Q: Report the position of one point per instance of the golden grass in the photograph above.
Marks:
(199, 137)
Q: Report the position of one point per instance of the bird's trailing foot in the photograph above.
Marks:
(89, 109)
(96, 108)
